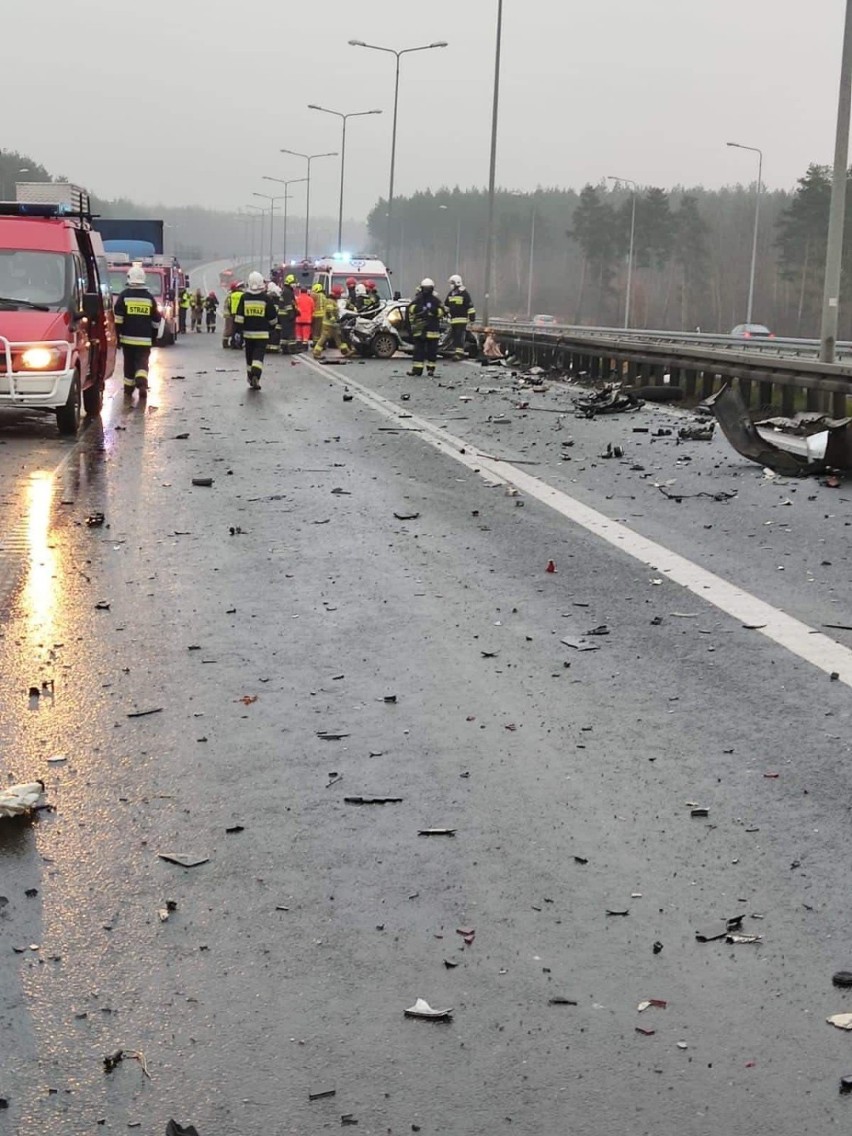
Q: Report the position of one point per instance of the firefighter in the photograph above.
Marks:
(372, 302)
(360, 299)
(138, 323)
(461, 311)
(319, 308)
(184, 304)
(287, 313)
(211, 306)
(197, 310)
(304, 317)
(331, 325)
(274, 293)
(424, 316)
(236, 337)
(256, 317)
(351, 285)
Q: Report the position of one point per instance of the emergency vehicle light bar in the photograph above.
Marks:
(40, 209)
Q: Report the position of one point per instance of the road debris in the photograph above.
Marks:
(845, 1085)
(183, 860)
(652, 1003)
(322, 1094)
(102, 605)
(145, 713)
(551, 566)
(372, 800)
(235, 828)
(113, 1060)
(173, 1128)
(406, 516)
(422, 1009)
(95, 520)
(329, 736)
(842, 978)
(697, 432)
(203, 482)
(579, 644)
(840, 1021)
(21, 800)
(720, 930)
(560, 1001)
(436, 832)
(743, 939)
(612, 399)
(467, 933)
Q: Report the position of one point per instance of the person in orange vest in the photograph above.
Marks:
(304, 317)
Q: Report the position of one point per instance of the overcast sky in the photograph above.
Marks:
(190, 101)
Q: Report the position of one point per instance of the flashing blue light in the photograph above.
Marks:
(342, 256)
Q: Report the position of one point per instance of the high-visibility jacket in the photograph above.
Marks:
(304, 308)
(136, 318)
(424, 316)
(234, 301)
(370, 303)
(256, 315)
(330, 312)
(185, 298)
(460, 306)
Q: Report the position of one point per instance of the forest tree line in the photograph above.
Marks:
(692, 252)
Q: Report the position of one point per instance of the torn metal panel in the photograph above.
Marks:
(806, 455)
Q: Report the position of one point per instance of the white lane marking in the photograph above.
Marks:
(797, 637)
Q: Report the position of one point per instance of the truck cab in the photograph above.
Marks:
(162, 279)
(57, 329)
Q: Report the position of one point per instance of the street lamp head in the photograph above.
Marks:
(357, 43)
(440, 43)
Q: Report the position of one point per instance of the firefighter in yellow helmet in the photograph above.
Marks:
(331, 326)
(319, 307)
(287, 313)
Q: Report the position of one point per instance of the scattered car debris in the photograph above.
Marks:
(719, 495)
(601, 629)
(652, 1003)
(451, 965)
(113, 1060)
(163, 913)
(329, 736)
(560, 1001)
(422, 1009)
(743, 939)
(102, 605)
(95, 520)
(436, 832)
(699, 812)
(612, 399)
(645, 1032)
(612, 451)
(21, 800)
(551, 566)
(788, 452)
(657, 947)
(580, 644)
(145, 713)
(720, 930)
(697, 432)
(623, 911)
(322, 1094)
(406, 516)
(372, 800)
(842, 978)
(202, 482)
(183, 860)
(235, 828)
(173, 1128)
(348, 1119)
(845, 1085)
(840, 1021)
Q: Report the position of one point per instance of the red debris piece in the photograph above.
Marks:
(645, 1032)
(772, 776)
(551, 566)
(467, 933)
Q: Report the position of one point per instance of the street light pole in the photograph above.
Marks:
(345, 118)
(759, 152)
(834, 257)
(399, 55)
(256, 209)
(495, 111)
(268, 197)
(532, 259)
(287, 197)
(627, 298)
(309, 158)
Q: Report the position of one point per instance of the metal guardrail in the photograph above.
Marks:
(697, 364)
(775, 346)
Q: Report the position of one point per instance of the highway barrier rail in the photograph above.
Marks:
(769, 371)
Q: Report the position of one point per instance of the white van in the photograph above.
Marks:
(334, 271)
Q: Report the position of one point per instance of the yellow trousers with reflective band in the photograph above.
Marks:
(332, 334)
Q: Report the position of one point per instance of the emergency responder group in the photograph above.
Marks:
(264, 316)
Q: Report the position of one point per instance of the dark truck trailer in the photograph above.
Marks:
(141, 240)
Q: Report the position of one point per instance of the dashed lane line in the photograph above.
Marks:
(804, 642)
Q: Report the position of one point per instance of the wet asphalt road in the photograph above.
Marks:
(292, 952)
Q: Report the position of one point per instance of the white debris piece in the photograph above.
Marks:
(422, 1009)
(19, 800)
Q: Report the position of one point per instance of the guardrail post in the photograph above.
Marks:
(839, 405)
(765, 394)
(689, 378)
(788, 401)
(745, 390)
(707, 379)
(814, 400)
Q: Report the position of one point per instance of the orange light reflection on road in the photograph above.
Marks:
(40, 592)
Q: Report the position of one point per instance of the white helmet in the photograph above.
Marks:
(136, 276)
(456, 281)
(255, 282)
(273, 289)
(360, 290)
(427, 284)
